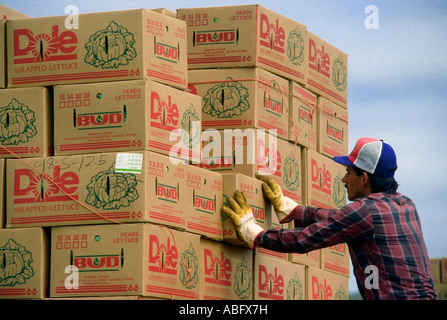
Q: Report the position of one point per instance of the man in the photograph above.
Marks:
(380, 226)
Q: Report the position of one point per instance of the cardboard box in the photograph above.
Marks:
(6, 13)
(124, 259)
(254, 151)
(273, 222)
(242, 98)
(105, 46)
(323, 285)
(245, 36)
(327, 72)
(2, 193)
(311, 259)
(276, 279)
(26, 122)
(302, 116)
(96, 189)
(336, 259)
(165, 11)
(332, 129)
(24, 256)
(435, 264)
(261, 207)
(126, 116)
(226, 271)
(323, 181)
(204, 194)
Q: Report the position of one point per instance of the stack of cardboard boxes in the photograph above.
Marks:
(124, 133)
(439, 272)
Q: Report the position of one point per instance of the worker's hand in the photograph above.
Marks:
(242, 216)
(283, 205)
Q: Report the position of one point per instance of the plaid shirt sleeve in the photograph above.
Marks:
(318, 228)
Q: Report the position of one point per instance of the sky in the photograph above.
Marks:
(397, 81)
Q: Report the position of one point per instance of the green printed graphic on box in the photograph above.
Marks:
(242, 280)
(339, 74)
(112, 190)
(189, 269)
(294, 289)
(111, 47)
(295, 47)
(15, 264)
(226, 99)
(16, 123)
(291, 174)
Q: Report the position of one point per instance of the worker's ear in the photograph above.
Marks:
(365, 178)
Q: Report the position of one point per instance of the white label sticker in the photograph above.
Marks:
(129, 162)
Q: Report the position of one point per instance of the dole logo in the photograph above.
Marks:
(321, 291)
(164, 115)
(271, 285)
(30, 187)
(99, 262)
(269, 158)
(167, 53)
(214, 37)
(319, 60)
(217, 269)
(42, 47)
(321, 178)
(163, 257)
(272, 35)
(95, 120)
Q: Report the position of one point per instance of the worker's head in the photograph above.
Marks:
(370, 168)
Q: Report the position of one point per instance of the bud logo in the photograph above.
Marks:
(164, 115)
(258, 213)
(42, 47)
(99, 120)
(272, 35)
(204, 204)
(334, 133)
(321, 291)
(338, 249)
(305, 114)
(271, 286)
(167, 193)
(167, 53)
(321, 178)
(32, 188)
(215, 37)
(103, 262)
(273, 106)
(163, 257)
(319, 60)
(217, 270)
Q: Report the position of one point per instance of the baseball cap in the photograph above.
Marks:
(373, 156)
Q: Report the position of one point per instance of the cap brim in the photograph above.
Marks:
(344, 160)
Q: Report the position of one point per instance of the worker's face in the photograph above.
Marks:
(356, 185)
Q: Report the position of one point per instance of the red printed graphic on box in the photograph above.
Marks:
(217, 268)
(272, 35)
(271, 285)
(321, 178)
(57, 46)
(163, 256)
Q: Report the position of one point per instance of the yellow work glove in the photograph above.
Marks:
(240, 212)
(283, 205)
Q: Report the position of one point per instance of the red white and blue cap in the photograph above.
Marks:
(373, 156)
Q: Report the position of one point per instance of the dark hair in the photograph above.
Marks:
(378, 183)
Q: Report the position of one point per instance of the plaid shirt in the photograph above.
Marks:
(382, 230)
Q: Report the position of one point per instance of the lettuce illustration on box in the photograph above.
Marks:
(295, 47)
(16, 264)
(339, 74)
(242, 280)
(189, 270)
(112, 190)
(291, 173)
(16, 123)
(294, 289)
(111, 47)
(226, 100)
